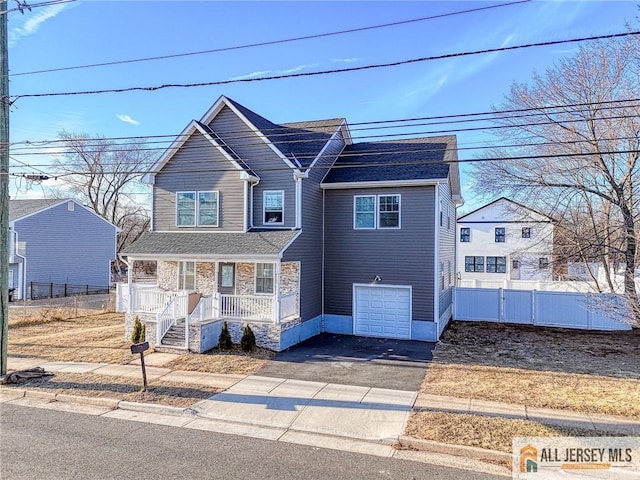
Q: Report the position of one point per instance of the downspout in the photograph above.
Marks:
(251, 225)
(322, 322)
(436, 261)
(245, 219)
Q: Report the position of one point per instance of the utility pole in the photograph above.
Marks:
(4, 187)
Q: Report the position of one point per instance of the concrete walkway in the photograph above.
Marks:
(305, 407)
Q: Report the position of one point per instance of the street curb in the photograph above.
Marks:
(106, 402)
(41, 395)
(154, 408)
(451, 449)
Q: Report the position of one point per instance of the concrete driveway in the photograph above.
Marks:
(351, 360)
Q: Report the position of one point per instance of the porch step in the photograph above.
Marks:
(175, 336)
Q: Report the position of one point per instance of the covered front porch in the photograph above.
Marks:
(190, 294)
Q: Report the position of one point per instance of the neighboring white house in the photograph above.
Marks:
(504, 240)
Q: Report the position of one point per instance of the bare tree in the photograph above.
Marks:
(581, 138)
(105, 175)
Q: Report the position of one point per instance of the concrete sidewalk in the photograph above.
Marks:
(355, 412)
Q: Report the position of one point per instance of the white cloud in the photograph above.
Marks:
(345, 60)
(258, 73)
(127, 119)
(32, 21)
(295, 69)
(273, 73)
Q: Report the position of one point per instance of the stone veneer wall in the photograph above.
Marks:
(168, 275)
(205, 278)
(289, 277)
(149, 322)
(245, 279)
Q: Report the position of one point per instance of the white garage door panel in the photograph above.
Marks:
(383, 311)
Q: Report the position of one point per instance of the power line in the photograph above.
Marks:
(472, 117)
(322, 72)
(376, 138)
(22, 6)
(272, 42)
(375, 164)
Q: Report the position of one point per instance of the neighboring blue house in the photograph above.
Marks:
(296, 230)
(60, 242)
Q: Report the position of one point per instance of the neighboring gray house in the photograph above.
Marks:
(60, 242)
(296, 230)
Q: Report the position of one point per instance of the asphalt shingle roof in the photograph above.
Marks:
(21, 208)
(211, 243)
(302, 140)
(407, 159)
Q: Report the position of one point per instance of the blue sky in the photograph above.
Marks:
(87, 32)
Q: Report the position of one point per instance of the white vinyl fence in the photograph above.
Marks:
(597, 311)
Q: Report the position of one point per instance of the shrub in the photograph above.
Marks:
(224, 340)
(248, 340)
(138, 333)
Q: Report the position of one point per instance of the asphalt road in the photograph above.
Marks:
(38, 443)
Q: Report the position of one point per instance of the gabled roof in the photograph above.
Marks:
(22, 208)
(252, 243)
(508, 201)
(406, 159)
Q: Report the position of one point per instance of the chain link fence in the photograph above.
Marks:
(61, 308)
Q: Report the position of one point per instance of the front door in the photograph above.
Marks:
(227, 278)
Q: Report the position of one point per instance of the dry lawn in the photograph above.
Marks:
(120, 388)
(553, 368)
(484, 432)
(219, 361)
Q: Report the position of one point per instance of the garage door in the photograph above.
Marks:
(382, 311)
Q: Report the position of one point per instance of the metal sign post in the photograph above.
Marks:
(140, 348)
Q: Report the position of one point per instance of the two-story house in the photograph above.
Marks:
(58, 247)
(504, 240)
(295, 229)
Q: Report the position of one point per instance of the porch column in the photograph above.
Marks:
(276, 291)
(130, 283)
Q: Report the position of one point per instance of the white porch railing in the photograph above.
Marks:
(151, 300)
(206, 309)
(288, 305)
(176, 309)
(246, 307)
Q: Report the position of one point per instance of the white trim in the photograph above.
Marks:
(197, 209)
(333, 138)
(378, 184)
(195, 274)
(216, 107)
(376, 211)
(298, 181)
(205, 258)
(380, 285)
(273, 278)
(264, 207)
(436, 258)
(245, 202)
(280, 255)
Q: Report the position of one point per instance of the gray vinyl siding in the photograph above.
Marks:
(273, 171)
(446, 247)
(63, 246)
(308, 246)
(400, 257)
(199, 166)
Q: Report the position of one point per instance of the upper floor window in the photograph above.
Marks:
(371, 211)
(526, 232)
(465, 234)
(264, 278)
(543, 263)
(474, 264)
(273, 208)
(500, 234)
(497, 264)
(197, 209)
(187, 276)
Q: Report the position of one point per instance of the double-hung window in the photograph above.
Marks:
(197, 209)
(496, 264)
(264, 278)
(465, 234)
(474, 264)
(500, 234)
(376, 211)
(526, 232)
(187, 276)
(273, 206)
